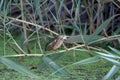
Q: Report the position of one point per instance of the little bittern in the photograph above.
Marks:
(55, 43)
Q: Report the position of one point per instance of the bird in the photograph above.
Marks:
(55, 43)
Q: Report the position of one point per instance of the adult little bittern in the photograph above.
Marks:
(55, 43)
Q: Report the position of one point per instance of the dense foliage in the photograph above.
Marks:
(93, 27)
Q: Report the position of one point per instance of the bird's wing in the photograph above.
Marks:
(50, 45)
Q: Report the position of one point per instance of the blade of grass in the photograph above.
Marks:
(108, 55)
(17, 67)
(118, 78)
(5, 12)
(116, 62)
(102, 26)
(85, 61)
(53, 57)
(115, 50)
(49, 62)
(79, 39)
(77, 10)
(99, 29)
(88, 60)
(61, 5)
(110, 74)
(36, 2)
(1, 3)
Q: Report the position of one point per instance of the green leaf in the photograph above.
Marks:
(110, 74)
(61, 5)
(98, 1)
(68, 27)
(102, 26)
(17, 67)
(83, 38)
(90, 38)
(38, 9)
(53, 57)
(77, 10)
(111, 60)
(1, 3)
(50, 63)
(88, 60)
(85, 61)
(75, 27)
(115, 50)
(108, 55)
(118, 78)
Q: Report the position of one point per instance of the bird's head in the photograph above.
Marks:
(64, 37)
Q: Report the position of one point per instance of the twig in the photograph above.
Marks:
(23, 21)
(23, 55)
(44, 54)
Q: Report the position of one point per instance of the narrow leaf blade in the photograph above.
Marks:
(49, 62)
(17, 67)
